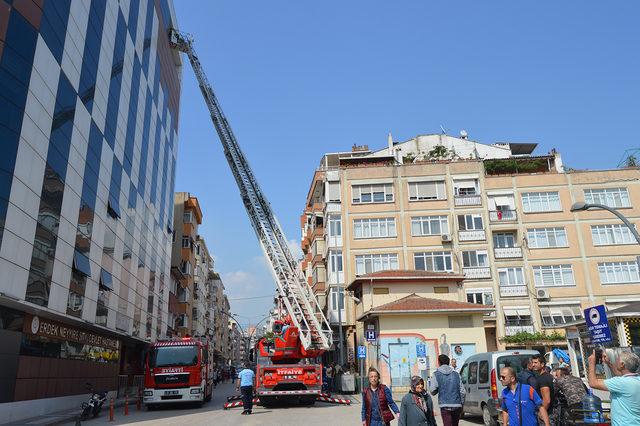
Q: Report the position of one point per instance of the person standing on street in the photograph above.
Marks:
(246, 378)
(378, 407)
(417, 408)
(624, 387)
(544, 383)
(446, 383)
(519, 402)
(526, 376)
(330, 374)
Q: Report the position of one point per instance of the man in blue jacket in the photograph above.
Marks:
(446, 383)
(519, 402)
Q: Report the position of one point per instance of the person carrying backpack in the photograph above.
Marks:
(447, 384)
(519, 402)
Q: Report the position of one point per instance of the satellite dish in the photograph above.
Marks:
(464, 134)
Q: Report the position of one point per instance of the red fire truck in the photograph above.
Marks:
(285, 370)
(178, 371)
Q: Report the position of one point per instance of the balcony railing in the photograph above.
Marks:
(510, 330)
(477, 272)
(467, 200)
(503, 216)
(477, 235)
(507, 252)
(513, 291)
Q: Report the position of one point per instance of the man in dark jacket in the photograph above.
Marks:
(416, 408)
(526, 376)
(446, 383)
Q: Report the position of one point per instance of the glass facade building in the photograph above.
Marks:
(89, 100)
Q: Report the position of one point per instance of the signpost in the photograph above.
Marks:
(362, 354)
(421, 350)
(370, 335)
(598, 324)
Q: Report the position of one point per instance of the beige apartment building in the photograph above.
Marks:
(186, 219)
(202, 289)
(498, 214)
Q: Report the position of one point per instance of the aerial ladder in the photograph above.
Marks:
(293, 292)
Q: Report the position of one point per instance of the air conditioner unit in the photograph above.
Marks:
(542, 293)
(446, 238)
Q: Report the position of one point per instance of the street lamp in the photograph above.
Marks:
(582, 206)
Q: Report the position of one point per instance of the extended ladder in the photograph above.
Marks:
(300, 302)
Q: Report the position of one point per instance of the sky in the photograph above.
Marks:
(297, 79)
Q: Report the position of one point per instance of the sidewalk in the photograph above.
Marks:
(68, 416)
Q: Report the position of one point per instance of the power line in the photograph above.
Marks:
(251, 298)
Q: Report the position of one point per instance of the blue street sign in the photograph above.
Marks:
(362, 351)
(370, 335)
(598, 324)
(421, 350)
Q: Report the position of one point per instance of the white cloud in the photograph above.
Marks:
(296, 251)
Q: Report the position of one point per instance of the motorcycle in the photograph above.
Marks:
(93, 407)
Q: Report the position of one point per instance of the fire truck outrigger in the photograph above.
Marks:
(286, 365)
(178, 370)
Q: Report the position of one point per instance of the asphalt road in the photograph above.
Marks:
(213, 413)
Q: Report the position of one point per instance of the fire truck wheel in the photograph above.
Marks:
(307, 400)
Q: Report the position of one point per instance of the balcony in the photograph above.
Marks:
(477, 272)
(476, 235)
(467, 200)
(510, 330)
(513, 291)
(507, 252)
(499, 216)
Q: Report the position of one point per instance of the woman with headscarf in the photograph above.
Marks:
(416, 408)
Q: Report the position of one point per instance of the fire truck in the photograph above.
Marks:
(287, 365)
(178, 370)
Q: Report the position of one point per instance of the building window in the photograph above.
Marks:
(334, 299)
(186, 268)
(475, 259)
(381, 290)
(435, 261)
(420, 191)
(470, 222)
(335, 225)
(429, 225)
(336, 274)
(187, 217)
(374, 228)
(504, 239)
(377, 193)
(560, 315)
(368, 263)
(333, 191)
(466, 187)
(481, 296)
(547, 237)
(441, 290)
(604, 235)
(611, 197)
(511, 276)
(553, 275)
(618, 272)
(535, 202)
(186, 242)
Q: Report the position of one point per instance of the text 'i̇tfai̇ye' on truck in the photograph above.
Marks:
(288, 366)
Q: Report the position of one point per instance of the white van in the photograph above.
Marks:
(480, 374)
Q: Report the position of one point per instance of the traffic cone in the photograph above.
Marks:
(126, 405)
(111, 406)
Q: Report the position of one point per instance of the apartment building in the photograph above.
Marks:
(201, 311)
(236, 344)
(497, 214)
(187, 218)
(89, 119)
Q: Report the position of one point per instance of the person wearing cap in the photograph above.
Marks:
(416, 408)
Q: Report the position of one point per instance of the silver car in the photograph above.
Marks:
(480, 374)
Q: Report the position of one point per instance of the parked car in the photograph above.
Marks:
(480, 373)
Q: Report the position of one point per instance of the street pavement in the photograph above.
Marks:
(213, 413)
